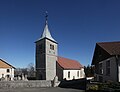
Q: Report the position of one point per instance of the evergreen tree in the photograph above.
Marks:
(89, 71)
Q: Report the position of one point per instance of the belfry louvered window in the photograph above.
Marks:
(51, 47)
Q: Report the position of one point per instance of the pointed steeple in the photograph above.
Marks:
(46, 32)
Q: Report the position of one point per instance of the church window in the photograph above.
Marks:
(69, 74)
(77, 73)
(51, 47)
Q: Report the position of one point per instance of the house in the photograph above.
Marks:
(6, 70)
(48, 64)
(69, 69)
(106, 60)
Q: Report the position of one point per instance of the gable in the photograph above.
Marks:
(99, 54)
(4, 64)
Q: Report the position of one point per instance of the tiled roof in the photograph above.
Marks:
(113, 48)
(4, 64)
(68, 63)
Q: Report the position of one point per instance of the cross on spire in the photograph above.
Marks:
(46, 32)
(46, 16)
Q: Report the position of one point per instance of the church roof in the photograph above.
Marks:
(4, 64)
(46, 32)
(66, 63)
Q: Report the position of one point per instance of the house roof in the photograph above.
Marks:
(66, 63)
(113, 48)
(4, 64)
(104, 50)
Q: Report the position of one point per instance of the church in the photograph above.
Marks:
(49, 64)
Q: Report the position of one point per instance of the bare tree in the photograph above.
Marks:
(31, 70)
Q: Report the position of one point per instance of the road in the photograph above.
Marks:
(41, 90)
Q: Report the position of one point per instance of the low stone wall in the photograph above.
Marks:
(25, 84)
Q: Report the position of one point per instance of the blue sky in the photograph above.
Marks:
(75, 24)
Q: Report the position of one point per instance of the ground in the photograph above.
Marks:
(41, 90)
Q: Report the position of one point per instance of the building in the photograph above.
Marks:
(6, 70)
(48, 63)
(69, 69)
(106, 60)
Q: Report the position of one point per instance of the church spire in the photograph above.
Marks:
(46, 32)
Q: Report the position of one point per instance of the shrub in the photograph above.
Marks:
(93, 87)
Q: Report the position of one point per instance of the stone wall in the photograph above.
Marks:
(25, 84)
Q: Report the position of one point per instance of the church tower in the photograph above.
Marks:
(46, 55)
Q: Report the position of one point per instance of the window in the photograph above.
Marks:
(51, 47)
(77, 73)
(69, 74)
(8, 70)
(108, 67)
(100, 68)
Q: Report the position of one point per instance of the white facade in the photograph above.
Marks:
(73, 74)
(7, 73)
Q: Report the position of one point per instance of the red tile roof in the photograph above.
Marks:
(68, 63)
(113, 48)
(4, 64)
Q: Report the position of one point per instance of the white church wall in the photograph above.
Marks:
(74, 74)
